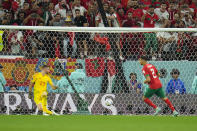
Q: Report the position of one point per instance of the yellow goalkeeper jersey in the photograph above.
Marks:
(40, 82)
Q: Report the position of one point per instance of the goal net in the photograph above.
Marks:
(102, 65)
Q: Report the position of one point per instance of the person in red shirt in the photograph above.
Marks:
(172, 11)
(155, 86)
(157, 3)
(33, 20)
(150, 19)
(136, 11)
(120, 14)
(146, 3)
(7, 4)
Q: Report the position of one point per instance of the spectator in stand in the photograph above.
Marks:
(172, 10)
(168, 42)
(47, 16)
(69, 42)
(188, 20)
(33, 20)
(6, 4)
(26, 9)
(137, 11)
(150, 19)
(157, 3)
(120, 13)
(146, 4)
(175, 85)
(37, 41)
(134, 84)
(62, 7)
(115, 21)
(77, 5)
(8, 19)
(57, 21)
(131, 46)
(193, 4)
(99, 20)
(2, 80)
(163, 15)
(52, 10)
(20, 18)
(185, 9)
(176, 20)
(91, 15)
(16, 40)
(130, 21)
(2, 13)
(81, 21)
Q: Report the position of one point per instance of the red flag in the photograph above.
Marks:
(103, 41)
(95, 67)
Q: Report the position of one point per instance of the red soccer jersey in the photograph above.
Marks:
(150, 20)
(150, 70)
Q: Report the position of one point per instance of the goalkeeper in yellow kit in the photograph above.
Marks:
(39, 82)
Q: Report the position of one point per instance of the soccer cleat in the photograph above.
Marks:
(157, 110)
(45, 114)
(175, 113)
(54, 113)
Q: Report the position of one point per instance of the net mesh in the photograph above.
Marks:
(109, 69)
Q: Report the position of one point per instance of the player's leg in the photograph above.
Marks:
(44, 104)
(148, 94)
(160, 93)
(37, 100)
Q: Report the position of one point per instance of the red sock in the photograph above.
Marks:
(167, 101)
(149, 102)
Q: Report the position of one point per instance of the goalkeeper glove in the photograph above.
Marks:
(30, 95)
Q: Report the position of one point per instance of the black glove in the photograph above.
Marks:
(30, 96)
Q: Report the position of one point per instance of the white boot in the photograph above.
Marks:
(45, 114)
(54, 113)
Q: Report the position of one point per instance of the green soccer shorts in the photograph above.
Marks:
(158, 92)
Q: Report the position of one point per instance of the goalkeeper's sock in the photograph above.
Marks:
(167, 101)
(150, 103)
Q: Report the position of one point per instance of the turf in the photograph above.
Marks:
(97, 123)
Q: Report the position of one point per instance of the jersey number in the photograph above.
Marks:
(42, 83)
(153, 73)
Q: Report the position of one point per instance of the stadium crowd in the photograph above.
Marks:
(85, 13)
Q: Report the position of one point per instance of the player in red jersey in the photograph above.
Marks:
(155, 86)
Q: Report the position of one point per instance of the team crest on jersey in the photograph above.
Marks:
(20, 72)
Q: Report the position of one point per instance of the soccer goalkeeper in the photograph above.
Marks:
(39, 82)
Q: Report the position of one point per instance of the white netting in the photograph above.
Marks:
(108, 57)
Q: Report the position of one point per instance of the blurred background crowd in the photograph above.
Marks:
(85, 13)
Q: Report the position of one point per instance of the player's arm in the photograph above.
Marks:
(30, 90)
(158, 74)
(31, 86)
(52, 85)
(147, 79)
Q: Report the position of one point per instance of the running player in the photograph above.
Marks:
(39, 82)
(155, 87)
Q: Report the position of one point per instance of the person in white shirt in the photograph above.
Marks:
(163, 15)
(113, 17)
(167, 40)
(98, 18)
(77, 5)
(189, 21)
(184, 9)
(62, 7)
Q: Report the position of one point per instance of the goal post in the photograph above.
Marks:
(107, 59)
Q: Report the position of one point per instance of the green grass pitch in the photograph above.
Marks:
(97, 123)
